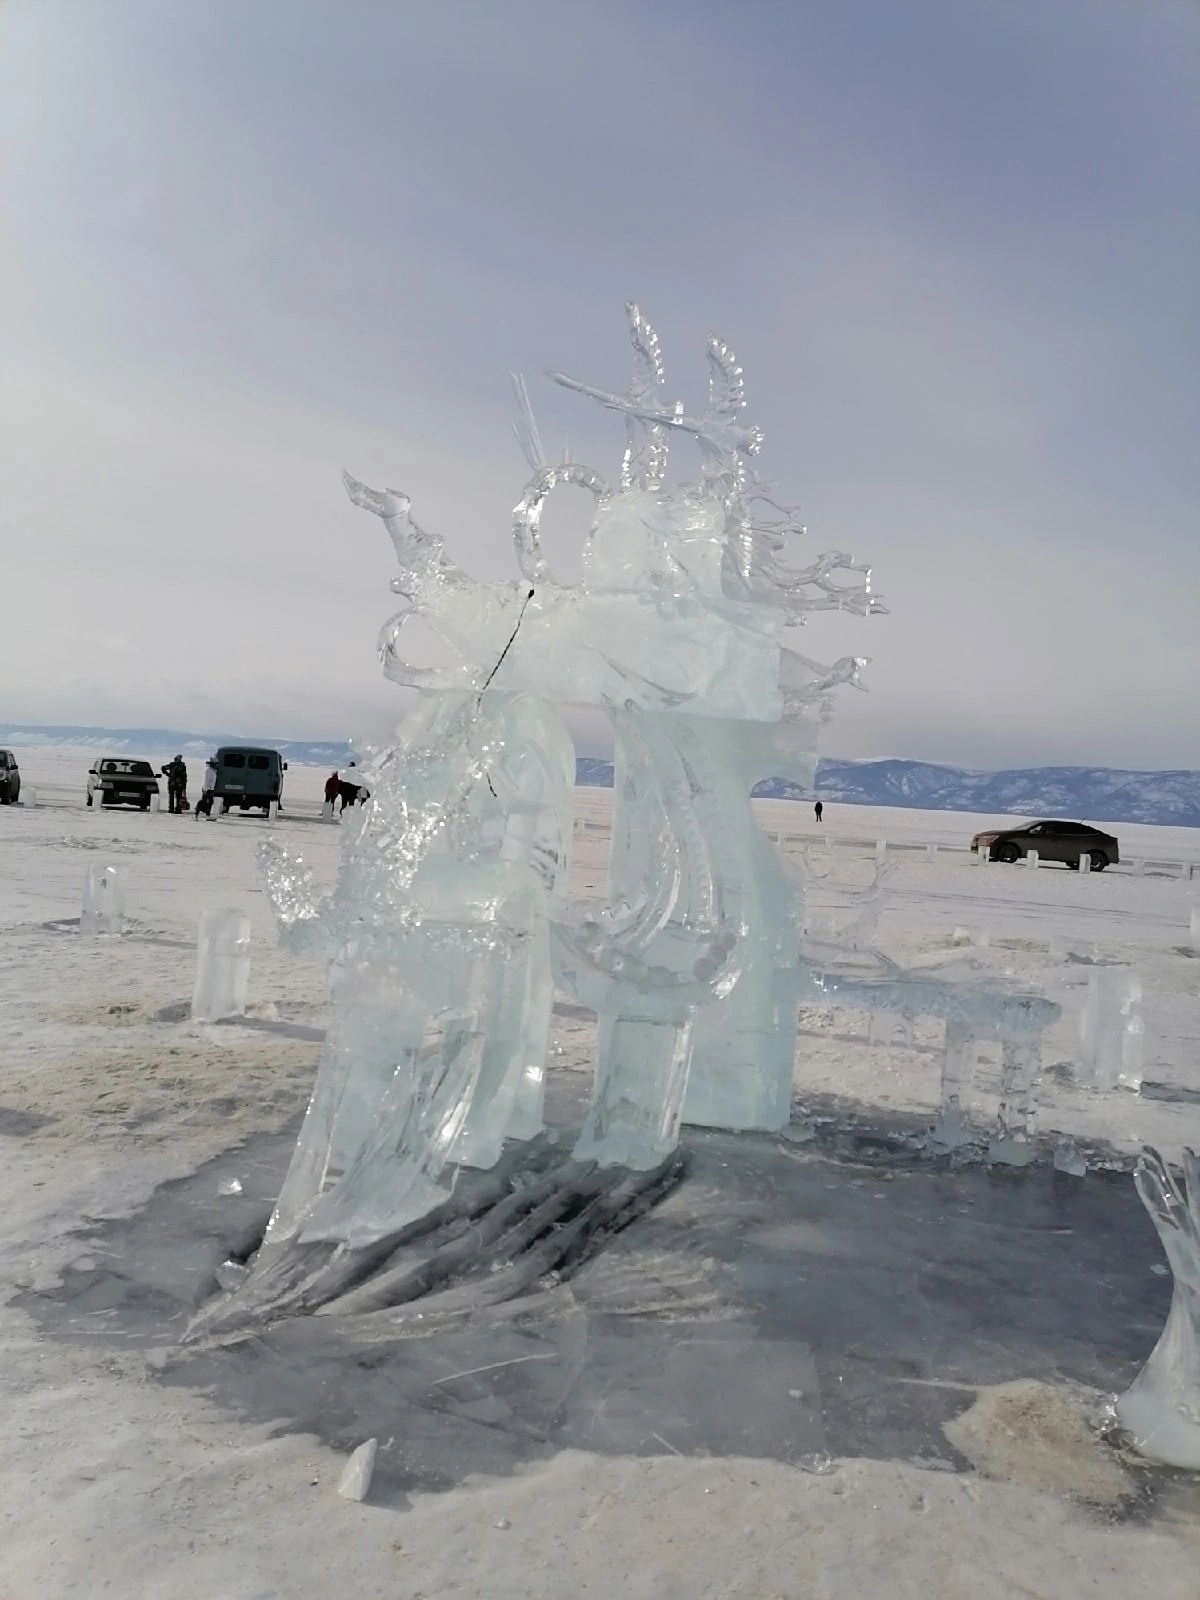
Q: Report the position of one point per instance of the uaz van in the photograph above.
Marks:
(247, 776)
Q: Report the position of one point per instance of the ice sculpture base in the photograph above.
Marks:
(675, 1307)
(1160, 1432)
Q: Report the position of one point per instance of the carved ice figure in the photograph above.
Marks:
(714, 548)
(1161, 1408)
(453, 875)
(437, 934)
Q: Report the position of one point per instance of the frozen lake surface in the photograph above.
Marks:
(659, 1448)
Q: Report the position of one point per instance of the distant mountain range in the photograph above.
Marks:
(1093, 794)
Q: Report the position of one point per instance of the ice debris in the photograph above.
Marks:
(355, 1482)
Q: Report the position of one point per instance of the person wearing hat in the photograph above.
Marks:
(208, 787)
(175, 772)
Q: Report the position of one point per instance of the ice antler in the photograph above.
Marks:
(726, 443)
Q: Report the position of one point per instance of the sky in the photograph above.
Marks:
(955, 244)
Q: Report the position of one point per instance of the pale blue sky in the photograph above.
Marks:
(956, 244)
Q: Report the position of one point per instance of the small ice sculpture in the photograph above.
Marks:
(1111, 1030)
(103, 902)
(222, 965)
(1161, 1408)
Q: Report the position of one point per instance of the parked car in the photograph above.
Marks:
(1053, 841)
(10, 779)
(248, 776)
(120, 781)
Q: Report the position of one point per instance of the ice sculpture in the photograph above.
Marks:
(1111, 1030)
(1161, 1408)
(451, 900)
(438, 939)
(103, 909)
(222, 965)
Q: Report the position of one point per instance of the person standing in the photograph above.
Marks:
(819, 809)
(176, 775)
(208, 785)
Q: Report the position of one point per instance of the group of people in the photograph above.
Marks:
(176, 774)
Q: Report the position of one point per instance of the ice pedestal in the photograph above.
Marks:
(103, 908)
(1161, 1408)
(958, 1070)
(1013, 1147)
(1194, 928)
(1111, 1030)
(222, 965)
(636, 1110)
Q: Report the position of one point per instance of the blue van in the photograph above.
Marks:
(248, 776)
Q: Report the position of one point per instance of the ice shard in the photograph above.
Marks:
(1161, 1408)
(103, 909)
(1111, 1030)
(222, 965)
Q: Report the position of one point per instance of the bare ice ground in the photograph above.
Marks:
(111, 1483)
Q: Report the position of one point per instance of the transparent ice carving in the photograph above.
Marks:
(103, 909)
(1111, 1030)
(222, 965)
(1161, 1408)
(449, 919)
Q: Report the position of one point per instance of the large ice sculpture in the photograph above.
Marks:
(451, 896)
(1162, 1406)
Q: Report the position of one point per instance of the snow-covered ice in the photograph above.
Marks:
(114, 1090)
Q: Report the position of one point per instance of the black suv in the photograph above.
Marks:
(10, 779)
(1053, 841)
(118, 781)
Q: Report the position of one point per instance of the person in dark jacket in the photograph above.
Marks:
(820, 810)
(175, 772)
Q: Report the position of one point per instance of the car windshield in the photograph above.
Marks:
(127, 769)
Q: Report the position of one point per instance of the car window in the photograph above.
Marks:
(259, 763)
(108, 766)
(1038, 827)
(233, 758)
(141, 769)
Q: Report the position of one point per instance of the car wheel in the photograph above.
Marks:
(1008, 853)
(1098, 859)
(144, 805)
(89, 799)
